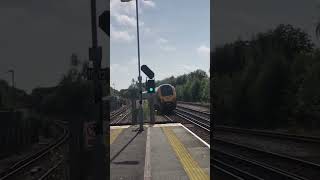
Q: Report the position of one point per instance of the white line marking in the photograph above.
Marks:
(147, 164)
(118, 127)
(167, 124)
(179, 124)
(196, 136)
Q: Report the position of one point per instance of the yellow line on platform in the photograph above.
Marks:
(191, 167)
(114, 134)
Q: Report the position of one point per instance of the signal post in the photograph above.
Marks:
(151, 106)
(150, 86)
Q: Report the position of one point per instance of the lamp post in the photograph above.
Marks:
(12, 76)
(139, 77)
(13, 91)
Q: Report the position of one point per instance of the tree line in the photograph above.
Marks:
(72, 96)
(269, 81)
(191, 87)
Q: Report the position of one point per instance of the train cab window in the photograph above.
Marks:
(166, 91)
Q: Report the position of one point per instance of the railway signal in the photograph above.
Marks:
(147, 71)
(150, 86)
(104, 22)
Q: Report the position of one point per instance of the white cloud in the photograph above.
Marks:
(148, 3)
(203, 50)
(117, 68)
(129, 8)
(188, 68)
(162, 41)
(117, 7)
(122, 73)
(133, 61)
(164, 45)
(120, 36)
(146, 30)
(168, 48)
(125, 20)
(113, 67)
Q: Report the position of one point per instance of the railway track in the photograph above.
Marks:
(236, 161)
(118, 112)
(119, 120)
(286, 166)
(285, 136)
(200, 121)
(28, 162)
(119, 116)
(195, 104)
(205, 114)
(240, 167)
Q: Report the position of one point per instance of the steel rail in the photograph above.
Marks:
(206, 113)
(194, 121)
(193, 103)
(311, 139)
(294, 161)
(20, 165)
(116, 121)
(259, 167)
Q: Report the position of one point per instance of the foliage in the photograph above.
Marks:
(73, 96)
(132, 92)
(190, 87)
(318, 29)
(270, 81)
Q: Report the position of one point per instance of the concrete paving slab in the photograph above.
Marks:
(172, 153)
(198, 150)
(127, 155)
(164, 163)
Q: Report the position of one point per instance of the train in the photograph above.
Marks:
(164, 98)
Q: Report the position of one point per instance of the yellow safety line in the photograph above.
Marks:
(191, 167)
(114, 134)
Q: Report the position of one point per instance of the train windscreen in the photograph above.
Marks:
(166, 91)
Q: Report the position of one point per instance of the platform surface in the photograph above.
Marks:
(160, 152)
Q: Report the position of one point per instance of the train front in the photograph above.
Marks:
(167, 97)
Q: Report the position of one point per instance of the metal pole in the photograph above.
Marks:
(94, 24)
(12, 71)
(13, 86)
(13, 89)
(101, 168)
(139, 78)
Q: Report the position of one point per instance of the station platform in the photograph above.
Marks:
(160, 152)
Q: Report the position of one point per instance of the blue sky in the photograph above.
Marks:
(174, 38)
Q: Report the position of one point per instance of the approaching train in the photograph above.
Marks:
(165, 98)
